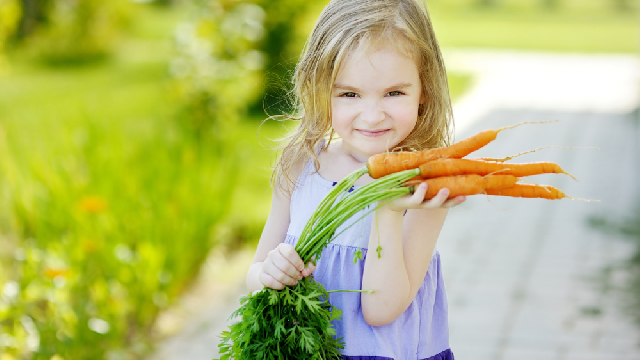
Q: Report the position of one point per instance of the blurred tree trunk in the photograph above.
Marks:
(280, 60)
(165, 2)
(622, 5)
(34, 14)
(487, 3)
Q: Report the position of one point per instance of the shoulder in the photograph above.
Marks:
(328, 154)
(316, 160)
(285, 183)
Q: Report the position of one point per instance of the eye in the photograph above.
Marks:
(348, 94)
(395, 93)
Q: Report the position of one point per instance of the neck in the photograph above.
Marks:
(354, 155)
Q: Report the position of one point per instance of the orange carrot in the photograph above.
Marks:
(529, 191)
(416, 179)
(465, 184)
(451, 167)
(499, 181)
(388, 163)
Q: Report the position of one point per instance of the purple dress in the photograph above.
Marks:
(420, 333)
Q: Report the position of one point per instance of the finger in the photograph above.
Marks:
(283, 265)
(289, 253)
(412, 201)
(270, 282)
(438, 200)
(454, 202)
(271, 268)
(309, 269)
(418, 195)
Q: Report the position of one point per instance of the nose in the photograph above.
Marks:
(372, 113)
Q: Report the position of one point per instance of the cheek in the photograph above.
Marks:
(405, 116)
(341, 114)
(408, 126)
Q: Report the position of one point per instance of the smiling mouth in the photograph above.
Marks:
(373, 133)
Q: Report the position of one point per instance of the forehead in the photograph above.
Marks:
(374, 41)
(379, 66)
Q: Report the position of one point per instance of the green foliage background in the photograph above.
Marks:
(10, 13)
(128, 145)
(80, 31)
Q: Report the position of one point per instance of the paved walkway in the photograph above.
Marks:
(525, 278)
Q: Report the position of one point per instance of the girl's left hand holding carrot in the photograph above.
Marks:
(418, 201)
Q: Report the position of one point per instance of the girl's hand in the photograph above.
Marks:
(417, 200)
(283, 267)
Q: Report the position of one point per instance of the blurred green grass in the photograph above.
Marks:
(107, 208)
(570, 26)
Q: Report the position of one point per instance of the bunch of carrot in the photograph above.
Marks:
(445, 168)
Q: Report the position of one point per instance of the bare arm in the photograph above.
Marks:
(407, 245)
(273, 234)
(276, 264)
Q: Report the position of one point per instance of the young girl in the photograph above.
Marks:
(371, 80)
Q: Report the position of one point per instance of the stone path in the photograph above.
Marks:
(525, 278)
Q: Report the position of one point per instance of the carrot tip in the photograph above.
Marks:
(587, 200)
(492, 203)
(564, 172)
(526, 122)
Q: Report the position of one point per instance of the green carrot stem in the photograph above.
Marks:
(331, 198)
(356, 291)
(387, 182)
(319, 240)
(363, 196)
(333, 210)
(340, 187)
(368, 190)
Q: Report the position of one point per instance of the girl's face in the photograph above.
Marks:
(374, 101)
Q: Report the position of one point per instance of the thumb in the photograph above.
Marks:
(309, 269)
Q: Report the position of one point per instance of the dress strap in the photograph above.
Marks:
(310, 167)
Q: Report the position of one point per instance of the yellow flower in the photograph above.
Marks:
(53, 273)
(89, 245)
(92, 204)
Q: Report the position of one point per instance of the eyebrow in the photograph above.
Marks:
(354, 89)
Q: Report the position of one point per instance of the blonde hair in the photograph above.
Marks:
(346, 25)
